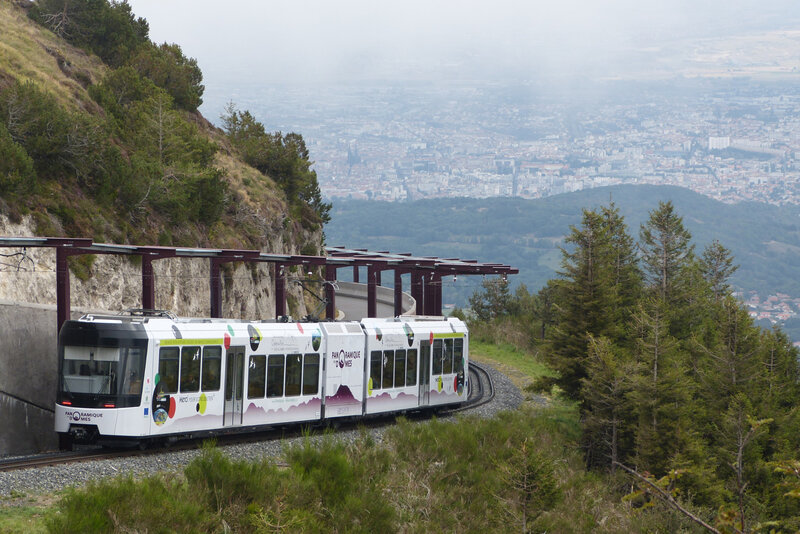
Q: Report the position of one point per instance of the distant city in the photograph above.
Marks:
(730, 139)
(733, 141)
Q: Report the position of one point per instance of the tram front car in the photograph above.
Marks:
(101, 368)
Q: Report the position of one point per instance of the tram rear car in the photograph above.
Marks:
(131, 379)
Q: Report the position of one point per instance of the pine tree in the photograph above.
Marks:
(582, 308)
(544, 309)
(600, 284)
(606, 414)
(728, 359)
(661, 392)
(492, 301)
(717, 266)
(779, 380)
(624, 276)
(666, 251)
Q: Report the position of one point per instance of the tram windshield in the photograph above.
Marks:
(109, 377)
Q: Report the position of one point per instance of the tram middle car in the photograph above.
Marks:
(133, 379)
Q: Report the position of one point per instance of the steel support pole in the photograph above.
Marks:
(437, 291)
(62, 288)
(398, 292)
(216, 288)
(372, 293)
(280, 290)
(417, 291)
(355, 274)
(431, 286)
(330, 294)
(148, 284)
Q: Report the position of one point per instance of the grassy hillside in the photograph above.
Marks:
(28, 52)
(115, 150)
(764, 239)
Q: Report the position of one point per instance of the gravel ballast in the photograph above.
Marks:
(58, 477)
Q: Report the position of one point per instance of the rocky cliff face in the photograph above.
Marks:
(115, 282)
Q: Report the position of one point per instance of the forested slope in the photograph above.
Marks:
(675, 384)
(764, 239)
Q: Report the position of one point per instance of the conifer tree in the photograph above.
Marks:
(582, 310)
(779, 380)
(666, 251)
(660, 392)
(544, 309)
(717, 266)
(624, 276)
(599, 286)
(728, 360)
(606, 414)
(492, 301)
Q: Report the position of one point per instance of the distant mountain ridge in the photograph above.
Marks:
(765, 239)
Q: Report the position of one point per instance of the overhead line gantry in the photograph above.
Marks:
(426, 272)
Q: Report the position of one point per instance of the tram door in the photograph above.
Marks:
(425, 373)
(234, 384)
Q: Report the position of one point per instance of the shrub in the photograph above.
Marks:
(109, 29)
(169, 69)
(16, 167)
(154, 504)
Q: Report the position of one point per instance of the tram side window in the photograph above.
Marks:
(388, 367)
(399, 368)
(447, 359)
(294, 372)
(256, 377)
(134, 363)
(458, 356)
(190, 369)
(275, 375)
(310, 374)
(437, 356)
(375, 359)
(411, 367)
(168, 370)
(212, 363)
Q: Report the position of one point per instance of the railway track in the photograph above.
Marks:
(58, 458)
(481, 391)
(479, 394)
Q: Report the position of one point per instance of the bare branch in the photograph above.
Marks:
(668, 498)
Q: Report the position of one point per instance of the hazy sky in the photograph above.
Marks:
(337, 40)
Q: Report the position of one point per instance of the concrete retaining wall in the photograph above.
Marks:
(28, 376)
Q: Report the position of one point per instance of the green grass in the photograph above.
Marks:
(25, 519)
(523, 368)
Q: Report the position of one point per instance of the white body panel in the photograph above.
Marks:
(344, 369)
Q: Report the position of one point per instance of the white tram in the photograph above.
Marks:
(149, 376)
